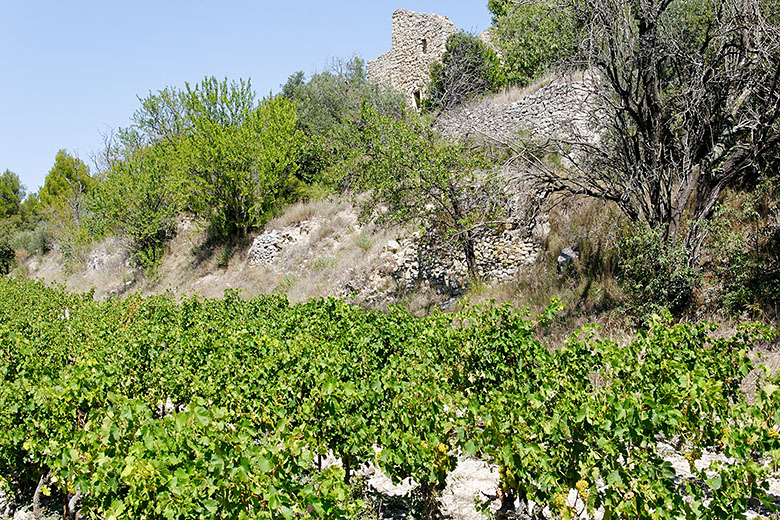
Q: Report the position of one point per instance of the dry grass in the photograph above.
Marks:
(424, 301)
(512, 94)
(300, 211)
(76, 276)
(587, 288)
(336, 257)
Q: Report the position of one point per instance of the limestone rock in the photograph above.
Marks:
(568, 254)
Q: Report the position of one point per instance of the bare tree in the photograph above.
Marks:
(690, 92)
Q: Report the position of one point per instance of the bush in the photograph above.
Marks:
(323, 104)
(654, 272)
(34, 241)
(413, 176)
(240, 155)
(469, 68)
(7, 257)
(745, 250)
(329, 98)
(532, 37)
(237, 156)
(140, 199)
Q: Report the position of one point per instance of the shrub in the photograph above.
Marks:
(240, 155)
(745, 250)
(532, 37)
(655, 273)
(140, 199)
(331, 97)
(7, 257)
(414, 177)
(469, 68)
(364, 241)
(323, 104)
(34, 241)
(324, 262)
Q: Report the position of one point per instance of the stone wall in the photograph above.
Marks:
(563, 109)
(419, 40)
(500, 255)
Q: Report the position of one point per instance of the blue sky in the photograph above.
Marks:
(73, 69)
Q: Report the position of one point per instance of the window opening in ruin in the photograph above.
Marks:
(417, 99)
(424, 45)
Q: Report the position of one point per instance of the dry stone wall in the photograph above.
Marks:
(419, 40)
(562, 109)
(500, 255)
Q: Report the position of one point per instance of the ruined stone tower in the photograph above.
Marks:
(418, 41)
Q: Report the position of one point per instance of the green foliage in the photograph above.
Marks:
(417, 177)
(86, 404)
(326, 102)
(323, 263)
(11, 194)
(364, 241)
(329, 98)
(36, 240)
(532, 37)
(499, 8)
(210, 148)
(7, 255)
(142, 195)
(223, 256)
(469, 68)
(655, 273)
(63, 203)
(239, 155)
(66, 183)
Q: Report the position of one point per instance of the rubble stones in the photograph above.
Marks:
(566, 256)
(408, 262)
(266, 246)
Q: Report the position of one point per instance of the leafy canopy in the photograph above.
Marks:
(412, 175)
(11, 194)
(240, 154)
(68, 178)
(532, 37)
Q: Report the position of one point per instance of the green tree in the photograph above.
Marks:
(414, 176)
(240, 155)
(469, 68)
(29, 209)
(323, 104)
(532, 37)
(11, 194)
(63, 201)
(66, 187)
(140, 198)
(331, 97)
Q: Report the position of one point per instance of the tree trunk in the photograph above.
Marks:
(467, 235)
(347, 469)
(36, 501)
(507, 509)
(72, 505)
(471, 257)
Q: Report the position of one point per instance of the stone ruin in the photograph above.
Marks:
(419, 40)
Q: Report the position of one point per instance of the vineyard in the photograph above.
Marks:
(155, 408)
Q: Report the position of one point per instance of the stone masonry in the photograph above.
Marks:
(566, 108)
(418, 41)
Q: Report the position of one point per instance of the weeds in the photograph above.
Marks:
(324, 262)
